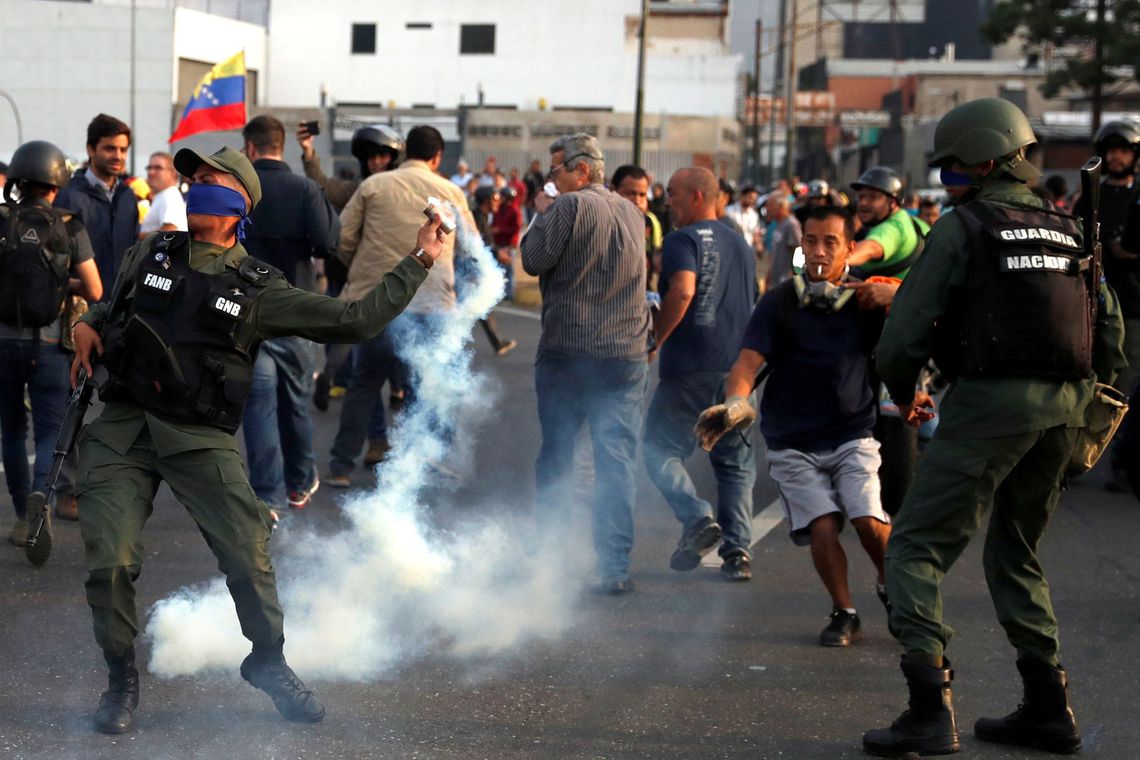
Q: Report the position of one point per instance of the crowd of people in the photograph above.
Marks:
(833, 318)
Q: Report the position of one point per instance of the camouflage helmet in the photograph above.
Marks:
(982, 130)
(38, 161)
(1124, 132)
(882, 178)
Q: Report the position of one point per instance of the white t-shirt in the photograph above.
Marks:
(748, 219)
(167, 207)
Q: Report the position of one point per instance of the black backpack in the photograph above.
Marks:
(34, 264)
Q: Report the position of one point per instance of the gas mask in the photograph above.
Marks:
(818, 293)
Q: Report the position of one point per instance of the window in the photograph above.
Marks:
(477, 39)
(363, 38)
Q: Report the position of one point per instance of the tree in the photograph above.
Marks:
(1104, 34)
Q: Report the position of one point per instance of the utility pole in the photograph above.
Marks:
(756, 104)
(134, 125)
(1098, 56)
(790, 105)
(777, 88)
(640, 104)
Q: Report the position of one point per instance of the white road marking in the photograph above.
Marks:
(762, 524)
(519, 312)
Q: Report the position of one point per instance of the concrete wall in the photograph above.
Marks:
(65, 62)
(558, 53)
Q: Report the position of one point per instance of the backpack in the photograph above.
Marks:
(34, 264)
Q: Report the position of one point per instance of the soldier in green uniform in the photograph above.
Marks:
(178, 339)
(1005, 266)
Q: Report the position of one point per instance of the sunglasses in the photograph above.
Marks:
(554, 169)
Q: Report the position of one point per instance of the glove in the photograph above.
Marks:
(734, 414)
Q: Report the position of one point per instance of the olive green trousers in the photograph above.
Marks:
(1017, 479)
(116, 497)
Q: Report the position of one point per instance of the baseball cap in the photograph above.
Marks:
(228, 160)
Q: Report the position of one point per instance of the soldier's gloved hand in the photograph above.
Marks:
(734, 414)
(86, 340)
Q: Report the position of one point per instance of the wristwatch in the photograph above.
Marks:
(422, 256)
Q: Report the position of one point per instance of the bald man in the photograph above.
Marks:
(708, 290)
(784, 235)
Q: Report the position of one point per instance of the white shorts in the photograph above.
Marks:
(811, 485)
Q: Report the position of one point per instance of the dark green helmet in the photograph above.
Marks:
(38, 161)
(983, 130)
(1123, 133)
(882, 178)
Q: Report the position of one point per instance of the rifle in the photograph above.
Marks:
(1090, 195)
(38, 547)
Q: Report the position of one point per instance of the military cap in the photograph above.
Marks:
(228, 160)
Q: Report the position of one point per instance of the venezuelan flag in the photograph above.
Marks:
(218, 101)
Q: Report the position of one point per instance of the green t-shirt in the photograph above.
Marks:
(898, 237)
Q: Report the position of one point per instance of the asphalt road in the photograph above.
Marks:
(687, 666)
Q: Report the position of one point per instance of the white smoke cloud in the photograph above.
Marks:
(392, 586)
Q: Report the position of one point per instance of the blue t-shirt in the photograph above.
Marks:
(708, 336)
(819, 395)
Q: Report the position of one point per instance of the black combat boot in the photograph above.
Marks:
(928, 727)
(1044, 720)
(268, 671)
(116, 712)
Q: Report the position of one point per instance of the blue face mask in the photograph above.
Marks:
(954, 179)
(217, 200)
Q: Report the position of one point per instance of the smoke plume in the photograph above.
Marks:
(392, 585)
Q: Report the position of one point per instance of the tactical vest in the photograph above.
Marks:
(171, 345)
(1025, 310)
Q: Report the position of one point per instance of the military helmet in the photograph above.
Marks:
(38, 161)
(882, 178)
(982, 130)
(1119, 131)
(819, 188)
(367, 140)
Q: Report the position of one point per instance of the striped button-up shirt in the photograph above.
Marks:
(588, 251)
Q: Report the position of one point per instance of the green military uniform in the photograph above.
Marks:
(127, 452)
(1002, 441)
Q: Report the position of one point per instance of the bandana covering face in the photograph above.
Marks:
(218, 200)
(954, 179)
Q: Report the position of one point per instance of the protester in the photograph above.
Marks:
(588, 249)
(100, 198)
(782, 239)
(708, 289)
(293, 224)
(167, 208)
(388, 208)
(632, 183)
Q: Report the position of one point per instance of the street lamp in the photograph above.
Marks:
(15, 113)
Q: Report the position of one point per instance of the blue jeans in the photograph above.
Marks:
(608, 394)
(374, 362)
(669, 440)
(43, 370)
(277, 427)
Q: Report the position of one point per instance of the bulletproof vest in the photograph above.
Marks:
(1025, 310)
(34, 264)
(170, 345)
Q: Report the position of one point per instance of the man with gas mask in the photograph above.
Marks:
(178, 340)
(1001, 299)
(817, 411)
